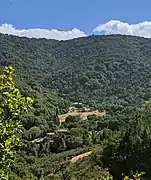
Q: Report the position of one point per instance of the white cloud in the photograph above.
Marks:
(142, 29)
(41, 33)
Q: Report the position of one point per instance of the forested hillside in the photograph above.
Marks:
(87, 69)
(111, 73)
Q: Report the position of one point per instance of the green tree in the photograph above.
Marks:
(12, 106)
(132, 150)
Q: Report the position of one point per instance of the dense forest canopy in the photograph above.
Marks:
(111, 73)
(87, 69)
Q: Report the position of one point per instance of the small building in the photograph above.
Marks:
(51, 134)
(77, 104)
(62, 131)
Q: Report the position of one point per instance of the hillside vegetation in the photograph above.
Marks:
(107, 73)
(93, 69)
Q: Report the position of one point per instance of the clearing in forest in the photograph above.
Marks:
(82, 115)
(80, 157)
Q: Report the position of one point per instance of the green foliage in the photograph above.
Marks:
(12, 106)
(109, 73)
(112, 71)
(132, 150)
(135, 176)
(106, 72)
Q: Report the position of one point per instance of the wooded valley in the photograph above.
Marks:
(110, 74)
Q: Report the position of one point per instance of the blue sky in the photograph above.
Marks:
(84, 15)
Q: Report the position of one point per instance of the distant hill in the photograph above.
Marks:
(94, 70)
(110, 73)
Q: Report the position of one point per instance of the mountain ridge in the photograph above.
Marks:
(51, 63)
(108, 73)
